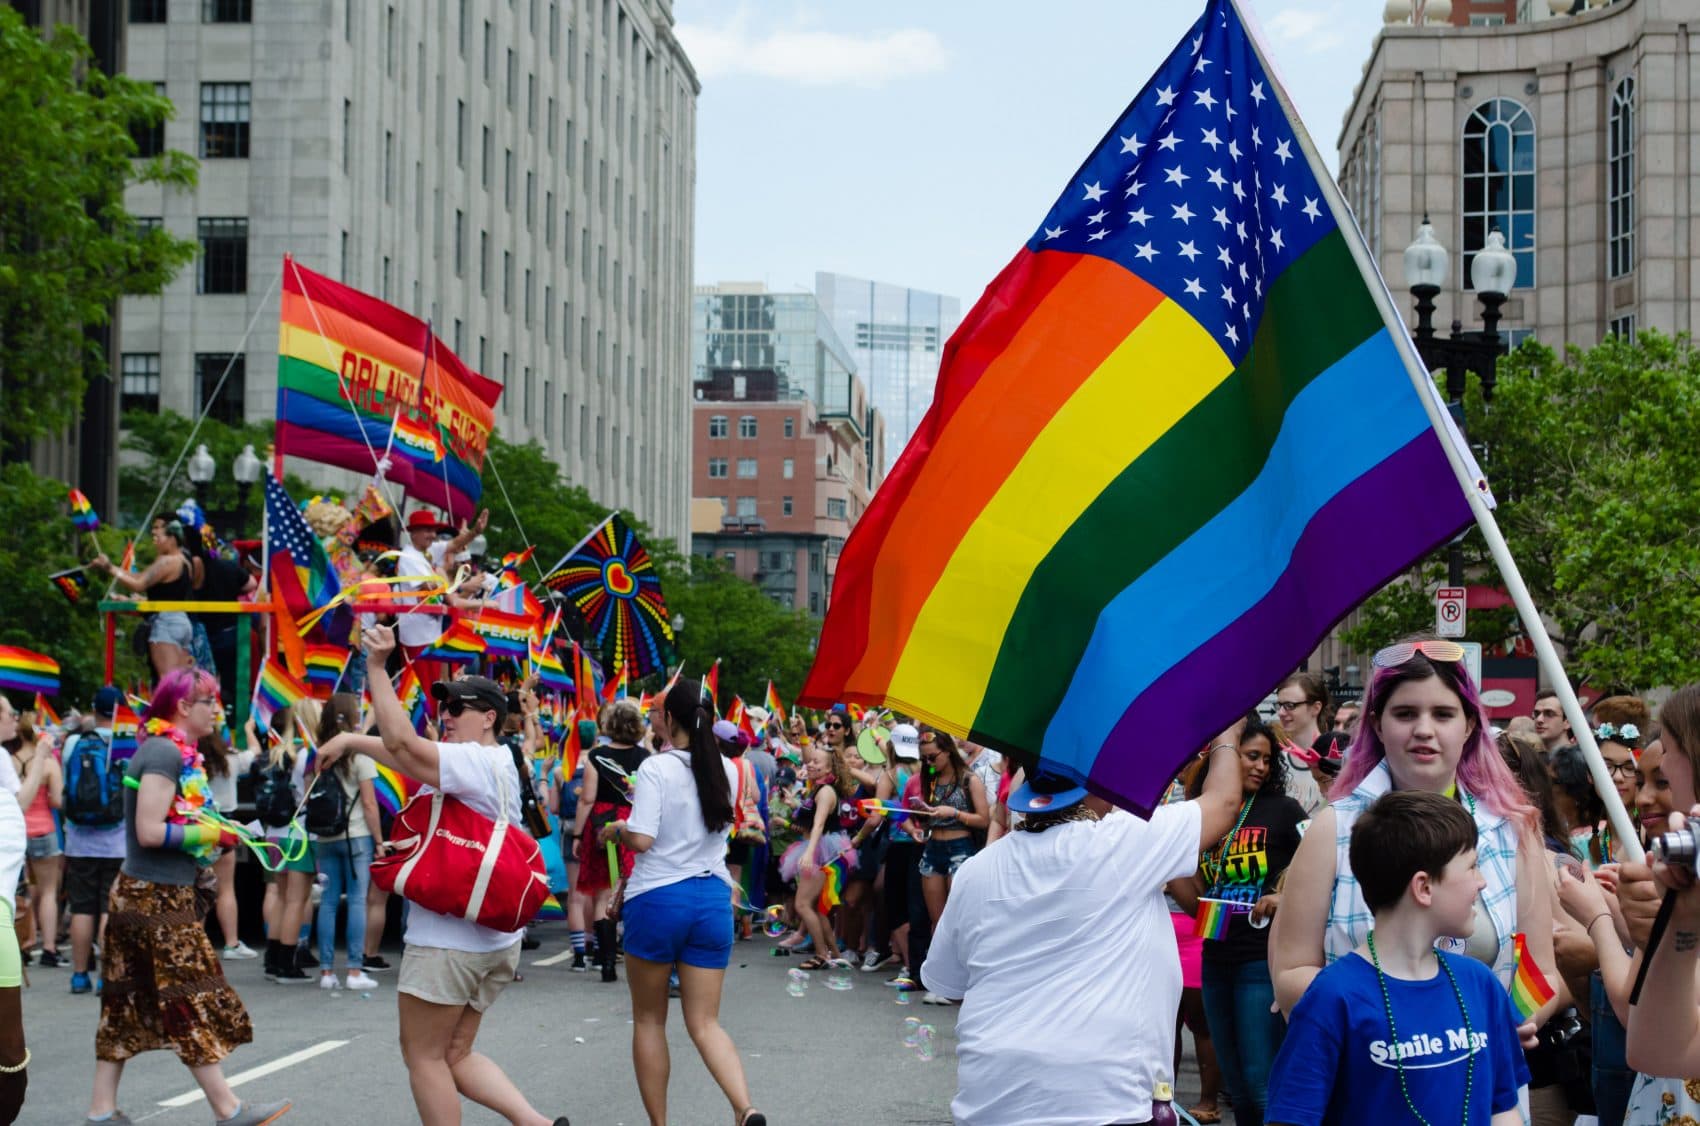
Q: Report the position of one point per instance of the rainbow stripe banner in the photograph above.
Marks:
(325, 666)
(1529, 987)
(275, 689)
(350, 368)
(1116, 527)
(28, 671)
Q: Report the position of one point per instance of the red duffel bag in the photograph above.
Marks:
(449, 858)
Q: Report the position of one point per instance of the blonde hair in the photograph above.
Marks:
(298, 725)
(622, 721)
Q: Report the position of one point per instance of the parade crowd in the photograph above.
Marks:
(1388, 908)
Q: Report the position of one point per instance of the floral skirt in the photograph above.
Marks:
(165, 987)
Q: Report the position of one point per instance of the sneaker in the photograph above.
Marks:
(291, 975)
(935, 999)
(118, 1118)
(80, 984)
(358, 980)
(529, 943)
(50, 958)
(256, 1114)
(241, 952)
(579, 965)
(327, 980)
(374, 964)
(873, 960)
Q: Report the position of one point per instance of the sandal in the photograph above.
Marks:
(752, 1117)
(815, 963)
(1204, 1117)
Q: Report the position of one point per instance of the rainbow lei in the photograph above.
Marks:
(194, 794)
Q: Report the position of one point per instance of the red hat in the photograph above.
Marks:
(425, 518)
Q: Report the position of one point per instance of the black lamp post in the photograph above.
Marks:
(246, 469)
(1493, 271)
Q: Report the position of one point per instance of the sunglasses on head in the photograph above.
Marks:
(1435, 650)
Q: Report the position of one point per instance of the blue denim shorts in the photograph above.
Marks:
(688, 922)
(943, 858)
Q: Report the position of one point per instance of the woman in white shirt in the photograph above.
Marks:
(675, 901)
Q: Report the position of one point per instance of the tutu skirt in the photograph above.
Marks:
(832, 848)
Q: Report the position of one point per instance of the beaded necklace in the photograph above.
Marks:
(1213, 868)
(1393, 1034)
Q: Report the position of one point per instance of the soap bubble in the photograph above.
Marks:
(775, 925)
(839, 979)
(911, 1031)
(797, 983)
(924, 1037)
(902, 997)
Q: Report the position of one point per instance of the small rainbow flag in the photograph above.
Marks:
(125, 724)
(551, 911)
(551, 674)
(418, 435)
(71, 583)
(584, 681)
(458, 645)
(572, 747)
(1529, 987)
(393, 789)
(28, 671)
(274, 690)
(44, 713)
(508, 575)
(412, 696)
(775, 709)
(711, 685)
(83, 514)
(325, 666)
(615, 688)
(1213, 916)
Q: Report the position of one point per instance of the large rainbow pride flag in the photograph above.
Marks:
(1174, 442)
(350, 367)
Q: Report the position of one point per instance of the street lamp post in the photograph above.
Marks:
(246, 470)
(201, 469)
(1493, 271)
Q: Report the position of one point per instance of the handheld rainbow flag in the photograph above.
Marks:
(45, 714)
(735, 711)
(711, 685)
(412, 695)
(275, 689)
(1529, 987)
(584, 681)
(775, 709)
(613, 582)
(349, 366)
(1171, 294)
(504, 634)
(615, 688)
(83, 515)
(508, 574)
(71, 583)
(393, 789)
(28, 671)
(1213, 917)
(125, 726)
(457, 645)
(572, 746)
(551, 674)
(325, 667)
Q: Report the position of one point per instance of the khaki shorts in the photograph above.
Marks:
(456, 977)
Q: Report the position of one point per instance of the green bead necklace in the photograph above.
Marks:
(1392, 1031)
(1212, 869)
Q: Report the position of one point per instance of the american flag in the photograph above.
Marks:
(301, 572)
(1200, 188)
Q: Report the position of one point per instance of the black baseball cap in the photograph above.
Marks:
(476, 691)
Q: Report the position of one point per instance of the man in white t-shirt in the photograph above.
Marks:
(452, 970)
(1057, 940)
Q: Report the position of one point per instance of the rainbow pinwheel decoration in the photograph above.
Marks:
(613, 582)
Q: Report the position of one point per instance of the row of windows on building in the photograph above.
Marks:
(837, 508)
(212, 11)
(1499, 185)
(747, 468)
(221, 382)
(748, 427)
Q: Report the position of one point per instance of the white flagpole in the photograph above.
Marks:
(1463, 465)
(573, 550)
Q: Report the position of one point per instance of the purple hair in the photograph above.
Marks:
(177, 686)
(1481, 771)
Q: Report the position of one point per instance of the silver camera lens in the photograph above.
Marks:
(1676, 847)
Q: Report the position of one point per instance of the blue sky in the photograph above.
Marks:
(922, 142)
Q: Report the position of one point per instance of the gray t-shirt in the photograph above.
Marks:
(157, 755)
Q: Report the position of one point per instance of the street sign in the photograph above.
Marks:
(1449, 611)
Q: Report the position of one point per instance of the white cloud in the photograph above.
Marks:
(1313, 30)
(812, 58)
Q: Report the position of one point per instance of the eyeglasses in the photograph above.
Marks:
(456, 707)
(1289, 705)
(1621, 769)
(211, 700)
(1395, 655)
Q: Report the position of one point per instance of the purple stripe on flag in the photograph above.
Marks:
(1354, 544)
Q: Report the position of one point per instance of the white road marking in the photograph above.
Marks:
(554, 959)
(259, 1072)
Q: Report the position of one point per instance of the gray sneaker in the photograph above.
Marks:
(119, 1118)
(257, 1114)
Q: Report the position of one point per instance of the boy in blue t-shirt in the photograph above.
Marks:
(1397, 1031)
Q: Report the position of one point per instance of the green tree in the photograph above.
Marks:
(754, 638)
(1594, 460)
(68, 247)
(155, 443)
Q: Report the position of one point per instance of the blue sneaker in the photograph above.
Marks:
(80, 983)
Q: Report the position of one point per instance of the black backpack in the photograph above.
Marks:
(327, 810)
(94, 784)
(274, 797)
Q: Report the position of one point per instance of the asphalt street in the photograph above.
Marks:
(565, 1037)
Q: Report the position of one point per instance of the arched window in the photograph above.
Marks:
(1499, 184)
(1620, 193)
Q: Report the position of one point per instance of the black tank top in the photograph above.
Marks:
(613, 786)
(179, 589)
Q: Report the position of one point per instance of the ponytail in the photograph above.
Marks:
(686, 707)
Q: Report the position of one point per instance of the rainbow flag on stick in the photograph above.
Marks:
(457, 645)
(349, 367)
(83, 515)
(28, 671)
(325, 666)
(125, 725)
(393, 789)
(275, 689)
(1154, 357)
(1529, 987)
(775, 709)
(45, 715)
(1213, 917)
(71, 583)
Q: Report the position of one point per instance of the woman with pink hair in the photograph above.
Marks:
(1424, 728)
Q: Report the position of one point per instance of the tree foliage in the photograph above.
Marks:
(154, 443)
(1594, 460)
(68, 247)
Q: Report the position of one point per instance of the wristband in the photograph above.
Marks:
(1589, 929)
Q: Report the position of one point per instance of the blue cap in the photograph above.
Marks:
(1047, 791)
(106, 700)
